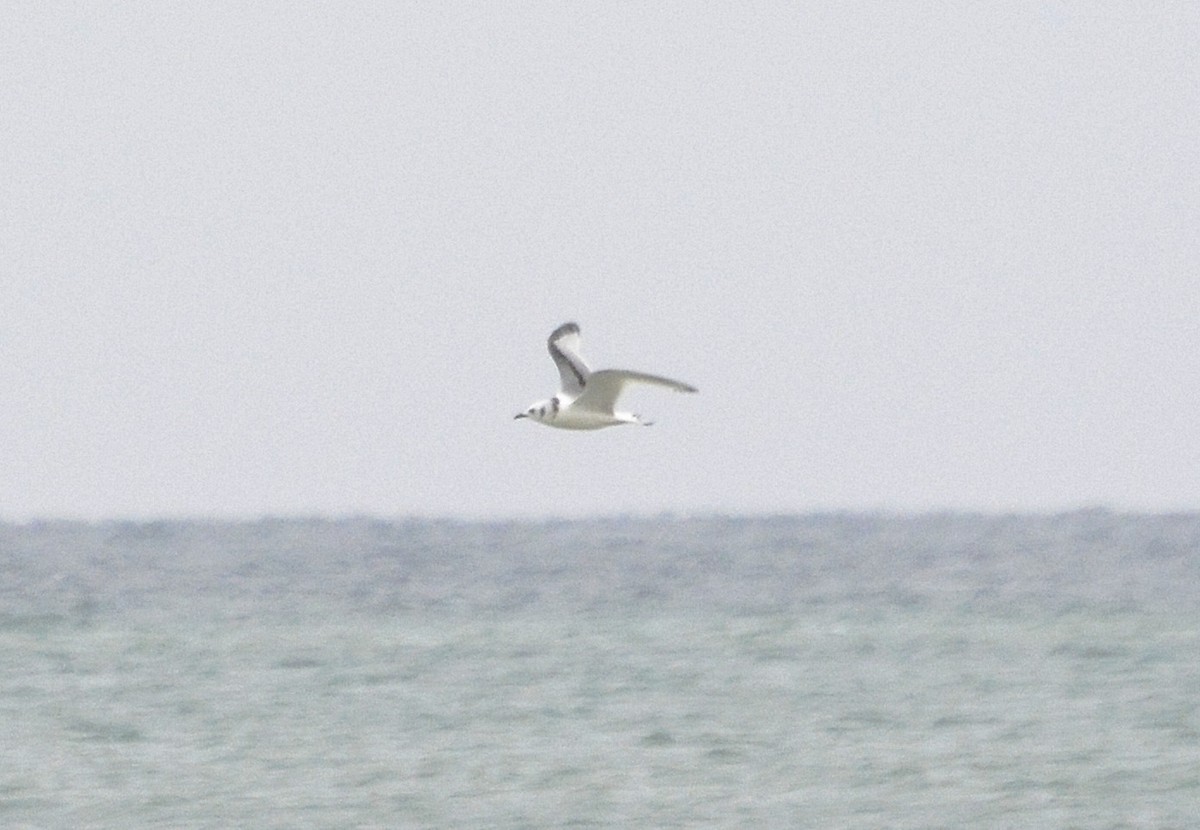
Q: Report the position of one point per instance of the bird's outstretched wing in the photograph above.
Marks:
(564, 348)
(605, 386)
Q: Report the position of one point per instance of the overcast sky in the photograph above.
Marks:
(296, 258)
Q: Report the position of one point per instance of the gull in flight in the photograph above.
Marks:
(587, 398)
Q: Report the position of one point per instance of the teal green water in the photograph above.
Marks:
(819, 672)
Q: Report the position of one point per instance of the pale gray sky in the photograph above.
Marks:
(303, 258)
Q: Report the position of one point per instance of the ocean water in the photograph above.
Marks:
(825, 671)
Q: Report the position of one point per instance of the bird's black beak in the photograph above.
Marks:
(519, 415)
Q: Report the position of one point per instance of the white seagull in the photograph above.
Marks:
(587, 398)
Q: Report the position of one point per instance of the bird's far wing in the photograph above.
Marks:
(605, 386)
(564, 348)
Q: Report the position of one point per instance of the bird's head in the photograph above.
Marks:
(536, 412)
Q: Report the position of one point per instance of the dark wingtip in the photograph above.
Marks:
(564, 329)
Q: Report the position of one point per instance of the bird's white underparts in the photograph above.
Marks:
(588, 399)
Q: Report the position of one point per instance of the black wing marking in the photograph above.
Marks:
(563, 345)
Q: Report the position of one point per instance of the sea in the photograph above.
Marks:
(833, 670)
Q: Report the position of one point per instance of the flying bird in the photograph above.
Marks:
(587, 399)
